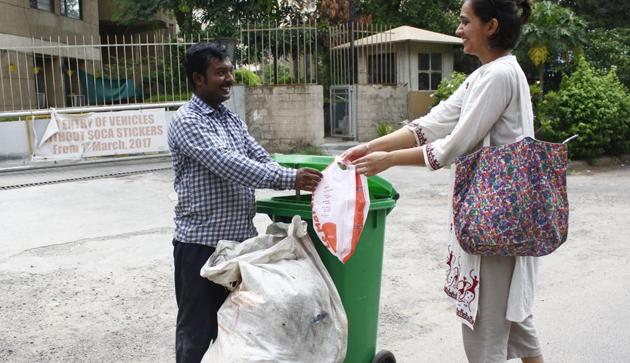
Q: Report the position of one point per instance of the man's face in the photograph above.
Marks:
(214, 87)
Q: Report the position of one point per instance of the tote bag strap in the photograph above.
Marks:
(528, 127)
(524, 113)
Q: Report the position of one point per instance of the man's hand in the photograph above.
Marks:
(307, 179)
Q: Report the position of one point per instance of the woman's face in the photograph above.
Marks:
(473, 31)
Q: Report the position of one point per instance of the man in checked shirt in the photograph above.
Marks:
(217, 165)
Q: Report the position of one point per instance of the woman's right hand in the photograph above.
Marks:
(355, 152)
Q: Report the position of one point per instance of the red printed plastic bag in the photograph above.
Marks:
(340, 206)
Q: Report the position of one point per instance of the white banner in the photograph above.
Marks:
(103, 134)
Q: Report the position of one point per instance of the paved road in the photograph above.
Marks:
(86, 270)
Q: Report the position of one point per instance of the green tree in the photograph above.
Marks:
(551, 38)
(608, 48)
(215, 17)
(131, 11)
(434, 15)
(603, 13)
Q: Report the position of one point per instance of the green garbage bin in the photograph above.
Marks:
(359, 280)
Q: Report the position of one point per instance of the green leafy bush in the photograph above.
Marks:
(595, 106)
(383, 128)
(246, 77)
(448, 86)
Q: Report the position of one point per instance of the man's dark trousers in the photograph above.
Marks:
(198, 301)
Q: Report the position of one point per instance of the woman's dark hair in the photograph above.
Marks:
(507, 14)
(199, 55)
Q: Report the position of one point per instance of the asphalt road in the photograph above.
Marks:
(86, 268)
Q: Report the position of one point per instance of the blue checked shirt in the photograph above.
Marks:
(217, 165)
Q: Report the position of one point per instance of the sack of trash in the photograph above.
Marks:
(283, 305)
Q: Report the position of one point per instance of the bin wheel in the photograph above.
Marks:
(384, 356)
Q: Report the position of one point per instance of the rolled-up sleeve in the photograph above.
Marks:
(488, 98)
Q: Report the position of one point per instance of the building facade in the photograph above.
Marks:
(54, 52)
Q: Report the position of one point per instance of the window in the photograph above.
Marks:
(42, 4)
(429, 71)
(71, 8)
(382, 68)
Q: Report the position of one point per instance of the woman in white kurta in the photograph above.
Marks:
(493, 296)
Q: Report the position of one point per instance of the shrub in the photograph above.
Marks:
(595, 106)
(184, 96)
(448, 86)
(246, 77)
(383, 128)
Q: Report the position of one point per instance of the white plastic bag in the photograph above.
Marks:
(340, 206)
(283, 305)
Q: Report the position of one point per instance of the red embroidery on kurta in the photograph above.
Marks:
(432, 160)
(420, 134)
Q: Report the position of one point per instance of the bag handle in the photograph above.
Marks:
(520, 110)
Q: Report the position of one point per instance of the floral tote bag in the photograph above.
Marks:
(511, 200)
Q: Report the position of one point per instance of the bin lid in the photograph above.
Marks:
(378, 187)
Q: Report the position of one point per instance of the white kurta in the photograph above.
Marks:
(494, 99)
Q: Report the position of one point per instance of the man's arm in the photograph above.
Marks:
(205, 146)
(254, 150)
(306, 178)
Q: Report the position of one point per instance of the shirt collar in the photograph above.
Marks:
(204, 107)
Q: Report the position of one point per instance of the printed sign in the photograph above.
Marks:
(103, 134)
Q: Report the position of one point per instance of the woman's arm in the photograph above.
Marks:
(379, 161)
(399, 139)
(440, 121)
(488, 100)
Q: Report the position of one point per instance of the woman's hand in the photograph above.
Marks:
(373, 163)
(355, 152)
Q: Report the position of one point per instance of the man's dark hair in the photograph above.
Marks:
(199, 55)
(507, 14)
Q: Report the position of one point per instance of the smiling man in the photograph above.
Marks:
(217, 166)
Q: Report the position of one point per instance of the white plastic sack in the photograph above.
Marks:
(283, 305)
(340, 206)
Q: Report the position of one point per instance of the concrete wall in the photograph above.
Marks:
(375, 104)
(284, 117)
